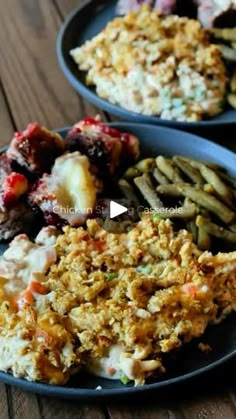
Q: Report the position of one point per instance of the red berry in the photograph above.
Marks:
(74, 130)
(109, 131)
(8, 198)
(125, 137)
(90, 121)
(32, 130)
(16, 182)
(18, 138)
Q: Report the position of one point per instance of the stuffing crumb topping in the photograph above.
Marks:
(113, 303)
(156, 65)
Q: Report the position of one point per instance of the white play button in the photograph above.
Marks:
(116, 209)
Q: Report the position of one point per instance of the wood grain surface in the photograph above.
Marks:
(36, 88)
(32, 87)
(66, 6)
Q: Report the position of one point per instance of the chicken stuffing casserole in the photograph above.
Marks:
(82, 298)
(113, 304)
(156, 65)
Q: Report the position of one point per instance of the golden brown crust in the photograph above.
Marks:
(149, 291)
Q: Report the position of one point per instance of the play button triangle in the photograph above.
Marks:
(116, 209)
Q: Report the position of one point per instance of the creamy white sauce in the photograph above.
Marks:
(107, 366)
(47, 236)
(23, 261)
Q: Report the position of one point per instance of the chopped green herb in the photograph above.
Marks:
(215, 83)
(124, 379)
(166, 105)
(200, 93)
(156, 218)
(165, 92)
(144, 269)
(220, 104)
(177, 102)
(111, 276)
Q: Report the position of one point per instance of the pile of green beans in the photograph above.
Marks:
(205, 193)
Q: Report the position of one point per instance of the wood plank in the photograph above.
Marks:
(66, 6)
(216, 406)
(23, 405)
(4, 411)
(232, 396)
(6, 123)
(6, 131)
(63, 409)
(34, 84)
(142, 411)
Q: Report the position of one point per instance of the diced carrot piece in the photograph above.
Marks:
(100, 245)
(26, 297)
(190, 289)
(37, 287)
(111, 370)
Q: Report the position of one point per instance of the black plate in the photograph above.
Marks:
(82, 25)
(191, 362)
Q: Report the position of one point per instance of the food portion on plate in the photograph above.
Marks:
(165, 7)
(114, 305)
(36, 184)
(80, 298)
(156, 65)
(209, 12)
(14, 211)
(226, 39)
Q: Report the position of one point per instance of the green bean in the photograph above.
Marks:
(167, 167)
(169, 190)
(228, 53)
(145, 186)
(215, 230)
(233, 81)
(208, 188)
(131, 173)
(209, 202)
(194, 161)
(178, 212)
(191, 226)
(203, 239)
(188, 170)
(160, 178)
(115, 227)
(128, 191)
(213, 179)
(145, 165)
(227, 178)
(232, 227)
(228, 34)
(232, 98)
(172, 189)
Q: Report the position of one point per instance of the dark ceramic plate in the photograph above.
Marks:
(82, 25)
(190, 362)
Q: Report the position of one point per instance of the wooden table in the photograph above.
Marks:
(32, 87)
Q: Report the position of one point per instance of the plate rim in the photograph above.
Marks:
(115, 109)
(93, 394)
(82, 394)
